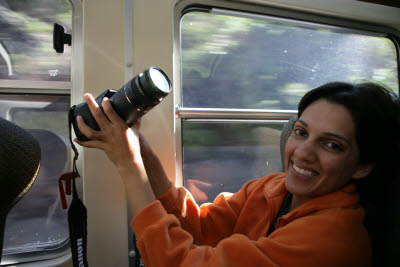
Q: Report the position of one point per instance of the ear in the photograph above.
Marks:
(363, 170)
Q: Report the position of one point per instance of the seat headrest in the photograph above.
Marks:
(287, 130)
(19, 166)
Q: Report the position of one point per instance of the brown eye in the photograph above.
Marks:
(334, 146)
(299, 132)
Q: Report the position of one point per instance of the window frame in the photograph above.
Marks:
(60, 254)
(187, 115)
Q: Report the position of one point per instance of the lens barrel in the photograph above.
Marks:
(132, 101)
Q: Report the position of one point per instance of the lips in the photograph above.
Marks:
(304, 172)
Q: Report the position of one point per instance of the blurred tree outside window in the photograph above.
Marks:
(26, 40)
(234, 62)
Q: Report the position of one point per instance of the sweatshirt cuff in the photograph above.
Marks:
(153, 212)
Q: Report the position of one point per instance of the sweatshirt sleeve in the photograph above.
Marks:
(163, 242)
(210, 222)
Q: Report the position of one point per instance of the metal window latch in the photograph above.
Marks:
(60, 38)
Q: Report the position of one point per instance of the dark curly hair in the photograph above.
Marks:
(376, 115)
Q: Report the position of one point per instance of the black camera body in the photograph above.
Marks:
(132, 101)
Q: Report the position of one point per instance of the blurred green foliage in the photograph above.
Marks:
(234, 62)
(26, 33)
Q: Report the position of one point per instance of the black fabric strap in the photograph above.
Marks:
(282, 211)
(77, 214)
(138, 262)
(70, 119)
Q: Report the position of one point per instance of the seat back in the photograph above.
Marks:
(287, 130)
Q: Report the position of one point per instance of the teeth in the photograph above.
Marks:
(304, 172)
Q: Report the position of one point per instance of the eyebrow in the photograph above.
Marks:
(327, 133)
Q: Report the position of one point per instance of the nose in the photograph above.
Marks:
(305, 151)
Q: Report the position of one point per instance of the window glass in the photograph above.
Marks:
(26, 40)
(236, 62)
(251, 62)
(221, 157)
(37, 221)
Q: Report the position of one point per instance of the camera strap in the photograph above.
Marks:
(77, 213)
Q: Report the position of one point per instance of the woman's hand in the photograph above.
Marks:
(121, 145)
(115, 138)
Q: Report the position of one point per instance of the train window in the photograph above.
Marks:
(35, 85)
(221, 157)
(26, 44)
(235, 63)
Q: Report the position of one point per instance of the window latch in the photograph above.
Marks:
(60, 38)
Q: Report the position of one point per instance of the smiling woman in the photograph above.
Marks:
(310, 216)
(349, 134)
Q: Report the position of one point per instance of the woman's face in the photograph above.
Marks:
(321, 154)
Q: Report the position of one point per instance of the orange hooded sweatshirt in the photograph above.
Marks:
(231, 232)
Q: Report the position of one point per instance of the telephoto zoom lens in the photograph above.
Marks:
(132, 101)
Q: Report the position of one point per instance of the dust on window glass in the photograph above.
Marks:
(235, 62)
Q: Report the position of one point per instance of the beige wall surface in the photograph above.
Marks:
(103, 59)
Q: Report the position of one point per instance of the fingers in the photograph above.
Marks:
(97, 113)
(90, 144)
(87, 131)
(111, 124)
(95, 136)
(109, 115)
(110, 112)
